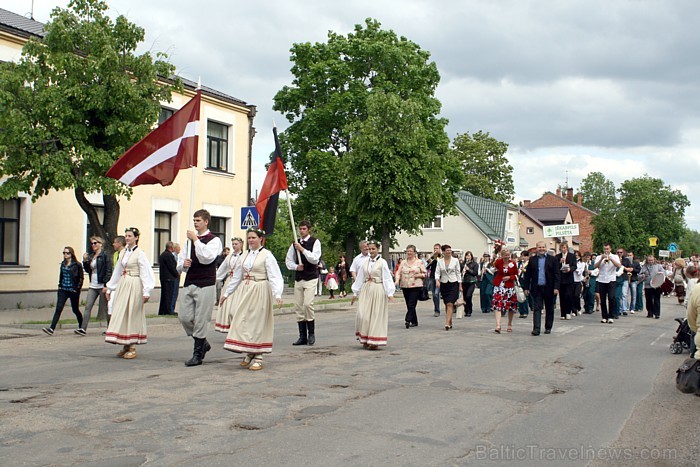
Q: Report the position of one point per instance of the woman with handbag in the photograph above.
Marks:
(409, 276)
(504, 297)
(470, 270)
(447, 277)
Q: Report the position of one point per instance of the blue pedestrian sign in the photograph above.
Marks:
(249, 217)
(673, 248)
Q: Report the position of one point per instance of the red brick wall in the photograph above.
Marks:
(580, 216)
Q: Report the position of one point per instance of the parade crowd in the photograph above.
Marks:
(246, 282)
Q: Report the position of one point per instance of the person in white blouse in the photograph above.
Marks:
(222, 322)
(374, 287)
(256, 281)
(199, 291)
(607, 264)
(302, 258)
(447, 279)
(131, 283)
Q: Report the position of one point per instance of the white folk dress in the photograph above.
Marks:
(373, 286)
(131, 280)
(257, 281)
(222, 320)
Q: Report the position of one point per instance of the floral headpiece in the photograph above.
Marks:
(260, 232)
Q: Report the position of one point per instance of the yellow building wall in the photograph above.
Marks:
(56, 220)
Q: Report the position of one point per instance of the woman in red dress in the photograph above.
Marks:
(504, 298)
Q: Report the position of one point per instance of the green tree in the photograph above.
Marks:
(654, 209)
(689, 242)
(74, 102)
(399, 153)
(486, 168)
(327, 103)
(598, 192)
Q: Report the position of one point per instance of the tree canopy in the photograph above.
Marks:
(487, 171)
(75, 101)
(334, 106)
(598, 192)
(646, 208)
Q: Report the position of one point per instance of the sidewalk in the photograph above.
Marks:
(29, 317)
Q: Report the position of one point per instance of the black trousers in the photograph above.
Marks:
(541, 298)
(653, 298)
(63, 296)
(467, 294)
(410, 295)
(607, 298)
(578, 287)
(166, 296)
(566, 295)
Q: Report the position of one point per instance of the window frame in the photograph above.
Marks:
(158, 244)
(4, 221)
(222, 156)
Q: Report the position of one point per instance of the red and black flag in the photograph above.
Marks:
(275, 181)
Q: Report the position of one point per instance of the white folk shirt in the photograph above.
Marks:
(274, 275)
(206, 252)
(312, 256)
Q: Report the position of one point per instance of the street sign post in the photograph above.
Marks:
(564, 230)
(664, 253)
(249, 217)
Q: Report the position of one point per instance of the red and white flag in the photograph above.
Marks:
(163, 152)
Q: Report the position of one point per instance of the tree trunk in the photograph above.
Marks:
(386, 243)
(350, 248)
(106, 230)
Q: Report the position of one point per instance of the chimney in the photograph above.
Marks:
(526, 203)
(558, 191)
(570, 194)
(580, 199)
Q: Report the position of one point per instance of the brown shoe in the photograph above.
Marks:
(131, 353)
(256, 366)
(123, 351)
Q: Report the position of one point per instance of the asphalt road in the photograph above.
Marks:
(588, 393)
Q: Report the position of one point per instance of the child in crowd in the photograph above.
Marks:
(331, 282)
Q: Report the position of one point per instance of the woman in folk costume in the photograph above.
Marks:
(375, 288)
(131, 283)
(222, 321)
(259, 280)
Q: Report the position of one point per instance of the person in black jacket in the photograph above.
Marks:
(99, 269)
(169, 277)
(567, 267)
(470, 271)
(541, 281)
(70, 281)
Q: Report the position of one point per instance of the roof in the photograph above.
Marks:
(531, 216)
(547, 216)
(487, 215)
(572, 203)
(19, 25)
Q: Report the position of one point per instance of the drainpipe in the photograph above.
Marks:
(252, 111)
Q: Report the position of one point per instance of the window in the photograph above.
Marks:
(530, 230)
(509, 223)
(165, 113)
(435, 224)
(90, 231)
(9, 231)
(217, 146)
(217, 226)
(161, 233)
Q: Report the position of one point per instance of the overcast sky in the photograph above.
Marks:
(578, 85)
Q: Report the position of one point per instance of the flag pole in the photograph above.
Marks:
(291, 218)
(194, 170)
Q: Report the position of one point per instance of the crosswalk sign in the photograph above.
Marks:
(249, 217)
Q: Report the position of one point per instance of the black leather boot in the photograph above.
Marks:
(311, 325)
(196, 354)
(206, 347)
(302, 334)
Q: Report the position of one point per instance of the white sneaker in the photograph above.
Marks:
(631, 312)
(568, 316)
(610, 321)
(604, 321)
(563, 317)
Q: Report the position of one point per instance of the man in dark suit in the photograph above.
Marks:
(167, 266)
(567, 267)
(541, 281)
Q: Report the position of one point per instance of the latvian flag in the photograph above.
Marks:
(275, 181)
(163, 152)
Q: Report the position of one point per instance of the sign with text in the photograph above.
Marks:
(565, 230)
(664, 253)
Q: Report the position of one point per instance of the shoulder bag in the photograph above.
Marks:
(688, 377)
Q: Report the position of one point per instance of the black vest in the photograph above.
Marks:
(201, 275)
(310, 271)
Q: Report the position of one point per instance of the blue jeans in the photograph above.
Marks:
(633, 296)
(436, 293)
(622, 298)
